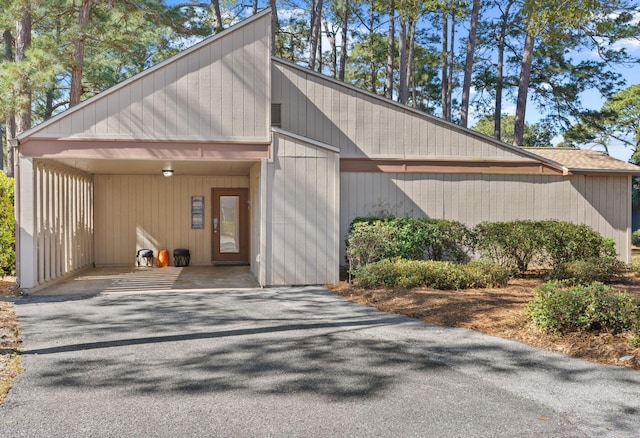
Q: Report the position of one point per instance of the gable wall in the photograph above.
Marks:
(364, 126)
(216, 92)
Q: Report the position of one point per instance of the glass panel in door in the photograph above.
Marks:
(229, 225)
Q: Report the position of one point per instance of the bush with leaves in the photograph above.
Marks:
(448, 240)
(635, 238)
(7, 227)
(443, 275)
(372, 239)
(514, 244)
(565, 242)
(561, 309)
(601, 269)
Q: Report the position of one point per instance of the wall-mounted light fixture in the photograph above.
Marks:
(167, 172)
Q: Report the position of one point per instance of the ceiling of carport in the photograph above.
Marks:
(155, 167)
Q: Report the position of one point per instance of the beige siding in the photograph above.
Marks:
(600, 202)
(154, 212)
(63, 221)
(363, 125)
(302, 214)
(216, 90)
(255, 177)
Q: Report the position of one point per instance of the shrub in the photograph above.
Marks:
(448, 240)
(565, 242)
(635, 238)
(561, 309)
(435, 274)
(601, 269)
(513, 244)
(7, 227)
(372, 239)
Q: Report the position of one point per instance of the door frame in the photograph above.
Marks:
(242, 257)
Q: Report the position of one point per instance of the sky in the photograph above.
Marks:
(590, 99)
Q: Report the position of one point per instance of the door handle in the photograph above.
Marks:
(215, 224)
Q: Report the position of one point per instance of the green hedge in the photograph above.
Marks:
(7, 227)
(635, 238)
(443, 275)
(372, 239)
(600, 269)
(518, 244)
(562, 309)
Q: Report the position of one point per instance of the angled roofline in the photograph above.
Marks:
(183, 53)
(302, 138)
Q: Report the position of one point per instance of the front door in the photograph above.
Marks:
(230, 225)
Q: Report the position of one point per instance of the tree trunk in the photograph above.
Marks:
(523, 89)
(388, 91)
(331, 37)
(274, 25)
(23, 41)
(468, 64)
(316, 16)
(216, 18)
(255, 7)
(78, 53)
(372, 55)
(343, 37)
(403, 91)
(412, 58)
(445, 60)
(497, 114)
(452, 41)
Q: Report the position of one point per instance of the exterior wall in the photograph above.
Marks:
(62, 212)
(600, 202)
(154, 212)
(302, 219)
(255, 215)
(364, 125)
(216, 90)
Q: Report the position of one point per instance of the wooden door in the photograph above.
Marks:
(230, 225)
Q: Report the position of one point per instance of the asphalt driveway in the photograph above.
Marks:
(292, 362)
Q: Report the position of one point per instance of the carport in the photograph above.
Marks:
(170, 158)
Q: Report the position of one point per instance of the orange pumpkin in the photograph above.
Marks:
(163, 258)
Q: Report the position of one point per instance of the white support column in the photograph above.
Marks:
(26, 218)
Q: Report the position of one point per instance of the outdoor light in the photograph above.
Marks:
(167, 172)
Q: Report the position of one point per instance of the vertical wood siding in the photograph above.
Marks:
(154, 212)
(302, 214)
(63, 221)
(365, 126)
(600, 202)
(255, 218)
(217, 91)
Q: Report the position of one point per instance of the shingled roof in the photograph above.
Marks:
(579, 161)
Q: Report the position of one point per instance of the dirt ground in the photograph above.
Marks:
(500, 312)
(10, 341)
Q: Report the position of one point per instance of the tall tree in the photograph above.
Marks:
(78, 53)
(216, 16)
(617, 121)
(468, 65)
(22, 42)
(391, 42)
(314, 40)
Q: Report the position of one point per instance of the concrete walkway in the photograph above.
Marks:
(292, 362)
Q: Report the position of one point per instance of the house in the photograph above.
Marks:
(268, 163)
